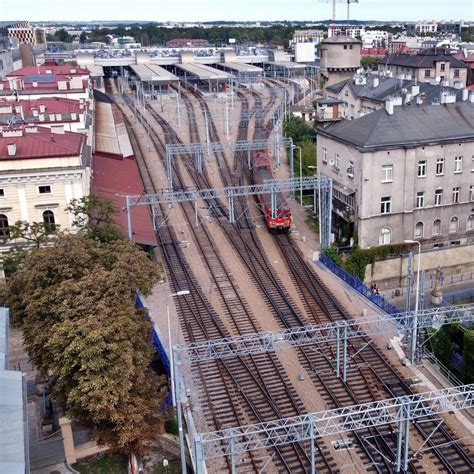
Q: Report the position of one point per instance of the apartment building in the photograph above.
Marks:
(404, 173)
(34, 82)
(364, 93)
(427, 66)
(41, 170)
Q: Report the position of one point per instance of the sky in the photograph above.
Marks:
(231, 10)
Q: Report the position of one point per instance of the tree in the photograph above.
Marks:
(94, 217)
(370, 62)
(83, 37)
(74, 302)
(298, 130)
(36, 233)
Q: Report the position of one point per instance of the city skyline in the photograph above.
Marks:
(248, 10)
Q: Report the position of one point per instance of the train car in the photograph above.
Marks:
(281, 221)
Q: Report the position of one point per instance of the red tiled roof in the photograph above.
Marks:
(114, 178)
(55, 71)
(42, 144)
(54, 105)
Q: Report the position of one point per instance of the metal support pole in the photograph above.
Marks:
(249, 162)
(417, 301)
(344, 366)
(169, 170)
(231, 209)
(292, 164)
(398, 460)
(313, 451)
(273, 202)
(407, 437)
(338, 351)
(129, 217)
(208, 139)
(409, 281)
(196, 213)
(232, 455)
(227, 124)
(198, 164)
(179, 411)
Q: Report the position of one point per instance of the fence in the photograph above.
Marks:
(160, 350)
(358, 285)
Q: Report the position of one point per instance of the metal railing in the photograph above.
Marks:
(358, 285)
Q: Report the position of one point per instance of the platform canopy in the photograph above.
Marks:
(153, 73)
(205, 73)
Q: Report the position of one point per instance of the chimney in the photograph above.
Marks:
(11, 147)
(457, 85)
(31, 128)
(35, 112)
(57, 129)
(42, 108)
(376, 81)
(419, 100)
(389, 106)
(465, 94)
(415, 90)
(445, 83)
(471, 97)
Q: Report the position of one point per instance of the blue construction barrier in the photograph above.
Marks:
(160, 350)
(358, 285)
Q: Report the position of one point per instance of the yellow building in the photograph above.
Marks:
(41, 170)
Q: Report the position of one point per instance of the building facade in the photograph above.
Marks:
(429, 66)
(404, 173)
(41, 170)
(23, 31)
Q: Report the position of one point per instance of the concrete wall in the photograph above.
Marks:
(339, 55)
(392, 273)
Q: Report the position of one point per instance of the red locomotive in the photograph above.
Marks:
(281, 221)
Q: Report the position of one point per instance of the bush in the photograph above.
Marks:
(171, 426)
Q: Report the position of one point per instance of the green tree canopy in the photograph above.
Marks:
(74, 302)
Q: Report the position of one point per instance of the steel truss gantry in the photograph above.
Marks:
(198, 149)
(228, 442)
(400, 411)
(321, 186)
(314, 335)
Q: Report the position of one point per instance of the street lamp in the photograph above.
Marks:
(179, 293)
(414, 335)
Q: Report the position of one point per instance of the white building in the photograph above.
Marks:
(404, 173)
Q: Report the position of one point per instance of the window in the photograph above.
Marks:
(471, 192)
(427, 73)
(470, 222)
(443, 67)
(2, 192)
(437, 227)
(44, 189)
(420, 199)
(458, 164)
(418, 230)
(49, 221)
(455, 195)
(4, 230)
(345, 46)
(386, 205)
(440, 166)
(453, 225)
(422, 169)
(387, 173)
(385, 236)
(456, 73)
(325, 155)
(472, 163)
(438, 197)
(337, 161)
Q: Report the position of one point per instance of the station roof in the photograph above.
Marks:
(203, 72)
(96, 71)
(153, 73)
(241, 67)
(287, 65)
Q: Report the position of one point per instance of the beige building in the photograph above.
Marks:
(429, 66)
(41, 170)
(404, 173)
(339, 58)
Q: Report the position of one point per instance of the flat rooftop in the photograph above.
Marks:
(240, 67)
(153, 73)
(203, 72)
(287, 65)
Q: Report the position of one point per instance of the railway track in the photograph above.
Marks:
(259, 381)
(366, 362)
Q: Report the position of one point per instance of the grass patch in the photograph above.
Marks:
(103, 464)
(172, 468)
